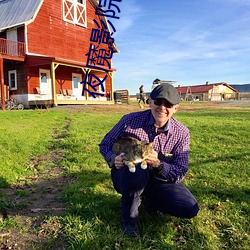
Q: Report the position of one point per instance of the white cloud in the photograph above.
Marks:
(211, 42)
(129, 11)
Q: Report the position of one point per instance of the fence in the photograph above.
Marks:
(121, 96)
(12, 48)
(244, 96)
(217, 96)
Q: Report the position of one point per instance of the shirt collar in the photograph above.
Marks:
(167, 126)
(151, 122)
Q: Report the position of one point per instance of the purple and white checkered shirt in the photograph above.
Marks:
(172, 145)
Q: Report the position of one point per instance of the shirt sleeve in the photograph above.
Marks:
(106, 144)
(174, 171)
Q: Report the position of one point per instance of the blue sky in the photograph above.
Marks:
(188, 41)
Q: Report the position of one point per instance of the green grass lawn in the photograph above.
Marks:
(218, 176)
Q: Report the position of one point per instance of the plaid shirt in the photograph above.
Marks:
(172, 145)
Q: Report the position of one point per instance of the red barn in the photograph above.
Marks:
(45, 52)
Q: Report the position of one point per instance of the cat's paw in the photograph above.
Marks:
(144, 166)
(132, 170)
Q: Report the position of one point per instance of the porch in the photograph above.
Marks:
(50, 103)
(62, 99)
(9, 50)
(64, 90)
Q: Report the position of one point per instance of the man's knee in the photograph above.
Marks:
(188, 212)
(192, 212)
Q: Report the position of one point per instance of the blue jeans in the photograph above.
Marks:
(168, 198)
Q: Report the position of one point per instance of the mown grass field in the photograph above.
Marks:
(218, 176)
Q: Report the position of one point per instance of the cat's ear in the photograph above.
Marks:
(151, 144)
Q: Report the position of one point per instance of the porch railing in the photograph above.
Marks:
(12, 48)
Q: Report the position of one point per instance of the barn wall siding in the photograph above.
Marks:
(33, 79)
(20, 34)
(3, 34)
(50, 35)
(21, 77)
(63, 77)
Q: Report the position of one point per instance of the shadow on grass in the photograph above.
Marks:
(94, 219)
(3, 183)
(216, 193)
(214, 159)
(227, 210)
(221, 187)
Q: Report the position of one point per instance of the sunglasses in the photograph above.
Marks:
(159, 102)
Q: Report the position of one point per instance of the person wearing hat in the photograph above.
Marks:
(156, 83)
(159, 186)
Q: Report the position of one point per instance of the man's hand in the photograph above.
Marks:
(153, 160)
(119, 161)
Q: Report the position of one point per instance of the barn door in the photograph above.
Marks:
(101, 89)
(12, 48)
(76, 84)
(45, 83)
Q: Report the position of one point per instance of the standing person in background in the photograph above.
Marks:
(142, 97)
(156, 82)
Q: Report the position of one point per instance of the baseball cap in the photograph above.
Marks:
(166, 91)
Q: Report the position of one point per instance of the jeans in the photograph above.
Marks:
(168, 198)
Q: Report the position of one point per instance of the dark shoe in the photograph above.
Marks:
(131, 230)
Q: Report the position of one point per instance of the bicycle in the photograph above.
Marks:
(12, 104)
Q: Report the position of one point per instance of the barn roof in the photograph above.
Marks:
(201, 88)
(17, 12)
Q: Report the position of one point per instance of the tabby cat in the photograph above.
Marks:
(135, 151)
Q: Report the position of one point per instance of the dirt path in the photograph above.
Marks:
(34, 203)
(184, 106)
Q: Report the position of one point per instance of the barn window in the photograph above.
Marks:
(74, 11)
(43, 77)
(12, 80)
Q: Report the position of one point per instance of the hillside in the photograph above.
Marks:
(241, 87)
